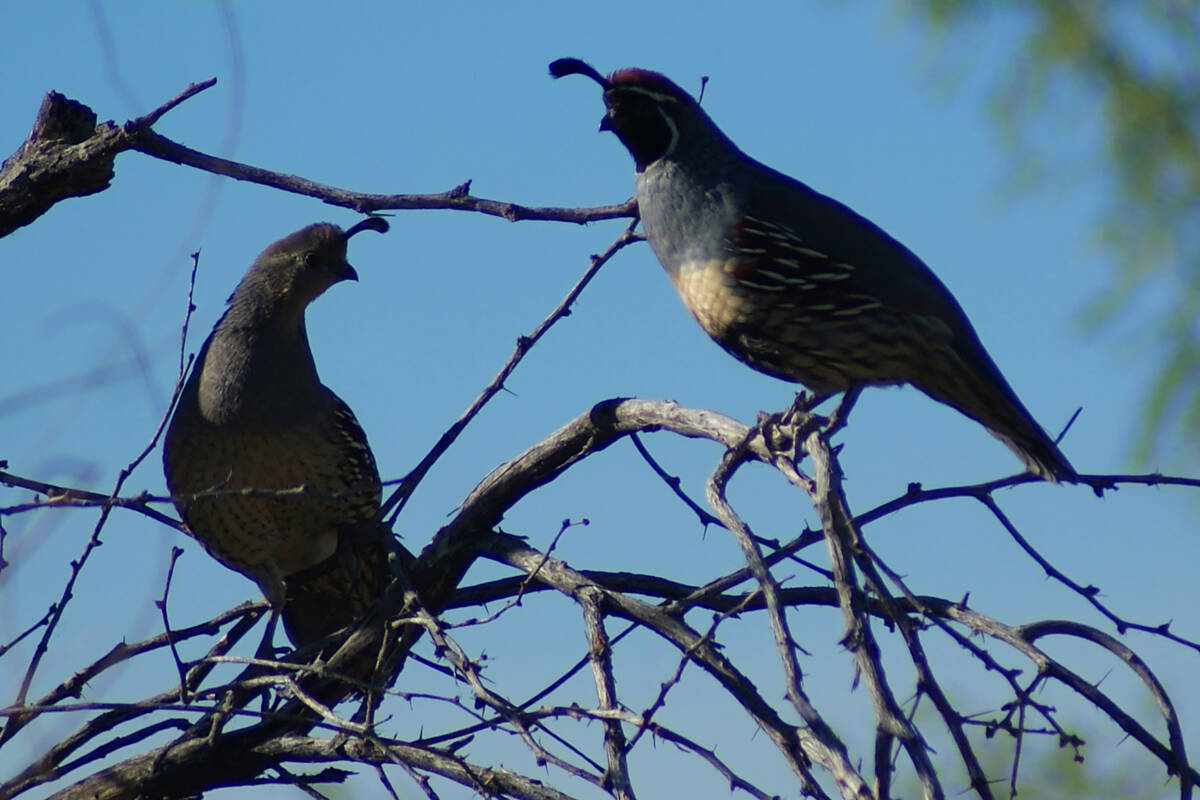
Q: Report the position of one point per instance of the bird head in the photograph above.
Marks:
(295, 270)
(647, 111)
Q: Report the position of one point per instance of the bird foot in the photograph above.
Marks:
(785, 431)
(802, 407)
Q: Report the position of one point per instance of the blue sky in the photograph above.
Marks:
(858, 101)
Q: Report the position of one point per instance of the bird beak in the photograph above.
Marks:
(606, 123)
(349, 273)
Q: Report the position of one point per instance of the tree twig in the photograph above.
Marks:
(409, 482)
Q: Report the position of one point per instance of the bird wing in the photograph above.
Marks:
(850, 261)
(355, 464)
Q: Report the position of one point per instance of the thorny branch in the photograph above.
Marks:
(524, 343)
(606, 423)
(818, 739)
(68, 154)
(843, 541)
(616, 775)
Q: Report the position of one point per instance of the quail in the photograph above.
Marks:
(268, 468)
(794, 283)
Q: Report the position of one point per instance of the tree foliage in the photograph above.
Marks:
(1141, 62)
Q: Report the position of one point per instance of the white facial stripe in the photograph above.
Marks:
(674, 130)
(655, 95)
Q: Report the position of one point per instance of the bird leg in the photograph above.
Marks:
(783, 432)
(266, 648)
(837, 420)
(802, 405)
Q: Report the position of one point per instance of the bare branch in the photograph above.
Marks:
(672, 483)
(787, 738)
(410, 481)
(50, 765)
(616, 776)
(818, 739)
(458, 198)
(64, 496)
(68, 155)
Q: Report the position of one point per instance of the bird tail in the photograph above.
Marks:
(1039, 452)
(980, 391)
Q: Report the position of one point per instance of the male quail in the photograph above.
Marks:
(792, 282)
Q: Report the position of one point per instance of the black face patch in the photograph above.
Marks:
(642, 122)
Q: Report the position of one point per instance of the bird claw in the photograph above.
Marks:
(784, 432)
(802, 406)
